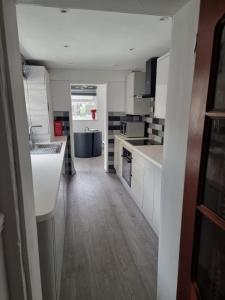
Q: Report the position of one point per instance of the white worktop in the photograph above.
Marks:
(153, 153)
(46, 171)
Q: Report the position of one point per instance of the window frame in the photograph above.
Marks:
(83, 101)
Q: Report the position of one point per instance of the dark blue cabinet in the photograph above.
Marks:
(88, 144)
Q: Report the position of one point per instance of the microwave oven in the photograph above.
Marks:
(132, 129)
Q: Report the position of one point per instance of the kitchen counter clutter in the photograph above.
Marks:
(139, 170)
(46, 171)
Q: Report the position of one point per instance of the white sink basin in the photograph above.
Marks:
(46, 148)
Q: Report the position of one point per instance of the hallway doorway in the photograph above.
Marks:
(89, 117)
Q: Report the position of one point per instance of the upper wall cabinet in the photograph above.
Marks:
(136, 87)
(161, 86)
(135, 84)
(38, 102)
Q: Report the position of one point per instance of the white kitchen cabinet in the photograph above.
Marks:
(136, 87)
(36, 74)
(59, 225)
(137, 180)
(145, 183)
(38, 102)
(157, 197)
(161, 86)
(51, 234)
(135, 84)
(148, 195)
(146, 187)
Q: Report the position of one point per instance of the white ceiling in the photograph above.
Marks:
(97, 39)
(148, 7)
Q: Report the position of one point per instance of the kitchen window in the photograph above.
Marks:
(84, 101)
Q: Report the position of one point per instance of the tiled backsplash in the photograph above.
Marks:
(154, 129)
(114, 119)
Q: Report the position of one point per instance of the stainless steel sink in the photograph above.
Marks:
(46, 148)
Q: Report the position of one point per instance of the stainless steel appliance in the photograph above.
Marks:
(132, 128)
(127, 166)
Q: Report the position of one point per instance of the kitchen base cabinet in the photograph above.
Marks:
(51, 245)
(47, 258)
(137, 181)
(145, 183)
(157, 196)
(117, 157)
(146, 186)
(148, 193)
(59, 227)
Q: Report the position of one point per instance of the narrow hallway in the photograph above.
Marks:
(110, 250)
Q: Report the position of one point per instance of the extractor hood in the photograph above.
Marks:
(150, 79)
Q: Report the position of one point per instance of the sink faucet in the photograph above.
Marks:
(31, 133)
(86, 128)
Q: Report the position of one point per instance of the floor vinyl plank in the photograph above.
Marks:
(110, 250)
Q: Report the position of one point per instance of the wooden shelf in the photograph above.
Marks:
(216, 114)
(212, 216)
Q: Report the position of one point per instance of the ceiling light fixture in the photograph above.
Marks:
(162, 19)
(64, 10)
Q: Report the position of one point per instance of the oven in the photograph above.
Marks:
(127, 166)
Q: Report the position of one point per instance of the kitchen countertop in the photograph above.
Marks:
(153, 153)
(46, 171)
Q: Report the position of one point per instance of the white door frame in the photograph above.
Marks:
(16, 186)
(105, 136)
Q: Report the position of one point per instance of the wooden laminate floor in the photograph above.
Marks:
(110, 250)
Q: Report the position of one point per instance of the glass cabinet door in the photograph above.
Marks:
(208, 269)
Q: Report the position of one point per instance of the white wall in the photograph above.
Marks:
(115, 80)
(101, 107)
(176, 132)
(60, 80)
